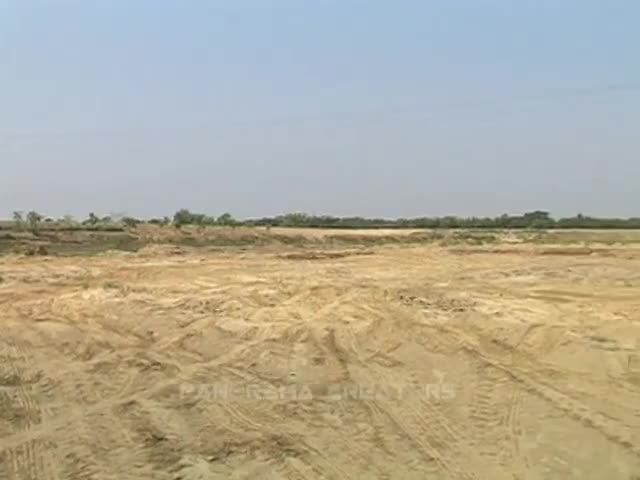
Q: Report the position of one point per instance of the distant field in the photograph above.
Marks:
(91, 241)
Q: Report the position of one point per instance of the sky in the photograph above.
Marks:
(343, 107)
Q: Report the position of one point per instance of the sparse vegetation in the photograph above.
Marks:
(130, 222)
(538, 221)
(91, 220)
(18, 220)
(33, 220)
(226, 219)
(185, 217)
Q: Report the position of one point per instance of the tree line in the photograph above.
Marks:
(531, 220)
(538, 219)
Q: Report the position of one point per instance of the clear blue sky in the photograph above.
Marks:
(374, 108)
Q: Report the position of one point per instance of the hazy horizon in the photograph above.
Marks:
(404, 109)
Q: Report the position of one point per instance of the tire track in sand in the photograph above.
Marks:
(418, 419)
(535, 380)
(32, 459)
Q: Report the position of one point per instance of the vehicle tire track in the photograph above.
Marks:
(536, 383)
(485, 414)
(31, 459)
(418, 420)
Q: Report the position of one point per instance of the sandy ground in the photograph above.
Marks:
(395, 363)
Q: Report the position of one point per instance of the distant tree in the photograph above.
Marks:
(541, 224)
(295, 219)
(537, 214)
(92, 220)
(226, 219)
(207, 220)
(18, 220)
(164, 221)
(182, 217)
(185, 217)
(130, 222)
(33, 220)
